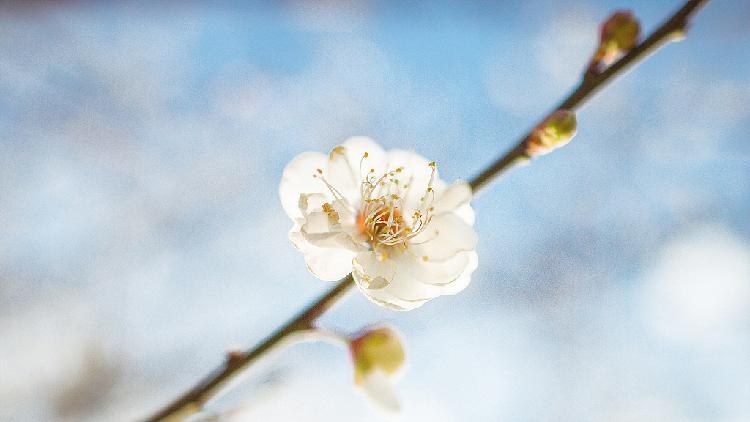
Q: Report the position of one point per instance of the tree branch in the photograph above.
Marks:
(192, 401)
(673, 28)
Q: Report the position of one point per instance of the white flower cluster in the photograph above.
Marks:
(386, 217)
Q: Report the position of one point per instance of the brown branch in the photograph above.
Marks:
(674, 27)
(191, 401)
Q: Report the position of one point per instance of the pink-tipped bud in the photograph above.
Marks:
(617, 35)
(555, 131)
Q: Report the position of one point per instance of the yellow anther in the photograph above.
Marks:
(332, 214)
(337, 150)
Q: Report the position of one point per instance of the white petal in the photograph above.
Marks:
(347, 215)
(334, 240)
(436, 273)
(388, 300)
(371, 273)
(319, 222)
(296, 237)
(387, 284)
(445, 236)
(356, 146)
(329, 264)
(298, 179)
(326, 263)
(311, 202)
(343, 169)
(463, 280)
(466, 213)
(454, 196)
(379, 389)
(323, 230)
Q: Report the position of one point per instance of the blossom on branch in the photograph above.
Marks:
(386, 217)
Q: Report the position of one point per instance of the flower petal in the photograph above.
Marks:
(457, 194)
(379, 389)
(466, 213)
(436, 273)
(455, 198)
(326, 263)
(371, 273)
(463, 280)
(445, 236)
(335, 240)
(343, 167)
(298, 179)
(311, 202)
(386, 284)
(319, 222)
(329, 264)
(356, 146)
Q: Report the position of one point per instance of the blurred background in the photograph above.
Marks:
(141, 235)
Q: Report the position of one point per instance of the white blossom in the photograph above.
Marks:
(386, 217)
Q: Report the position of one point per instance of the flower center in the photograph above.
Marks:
(382, 205)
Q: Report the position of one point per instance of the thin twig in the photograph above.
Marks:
(673, 28)
(193, 400)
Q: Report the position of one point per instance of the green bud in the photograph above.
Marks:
(555, 131)
(376, 349)
(619, 34)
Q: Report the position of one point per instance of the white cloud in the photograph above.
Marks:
(698, 290)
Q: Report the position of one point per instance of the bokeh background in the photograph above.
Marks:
(141, 237)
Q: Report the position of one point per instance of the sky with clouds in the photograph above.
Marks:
(141, 235)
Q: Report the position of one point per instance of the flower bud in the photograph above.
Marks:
(555, 131)
(378, 355)
(617, 35)
(620, 31)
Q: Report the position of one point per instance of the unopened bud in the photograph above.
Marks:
(620, 31)
(376, 349)
(555, 131)
(617, 35)
(378, 355)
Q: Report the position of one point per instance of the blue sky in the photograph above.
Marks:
(141, 234)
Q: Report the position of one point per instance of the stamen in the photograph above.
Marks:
(383, 220)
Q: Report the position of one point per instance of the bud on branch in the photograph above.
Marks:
(555, 131)
(617, 35)
(378, 355)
